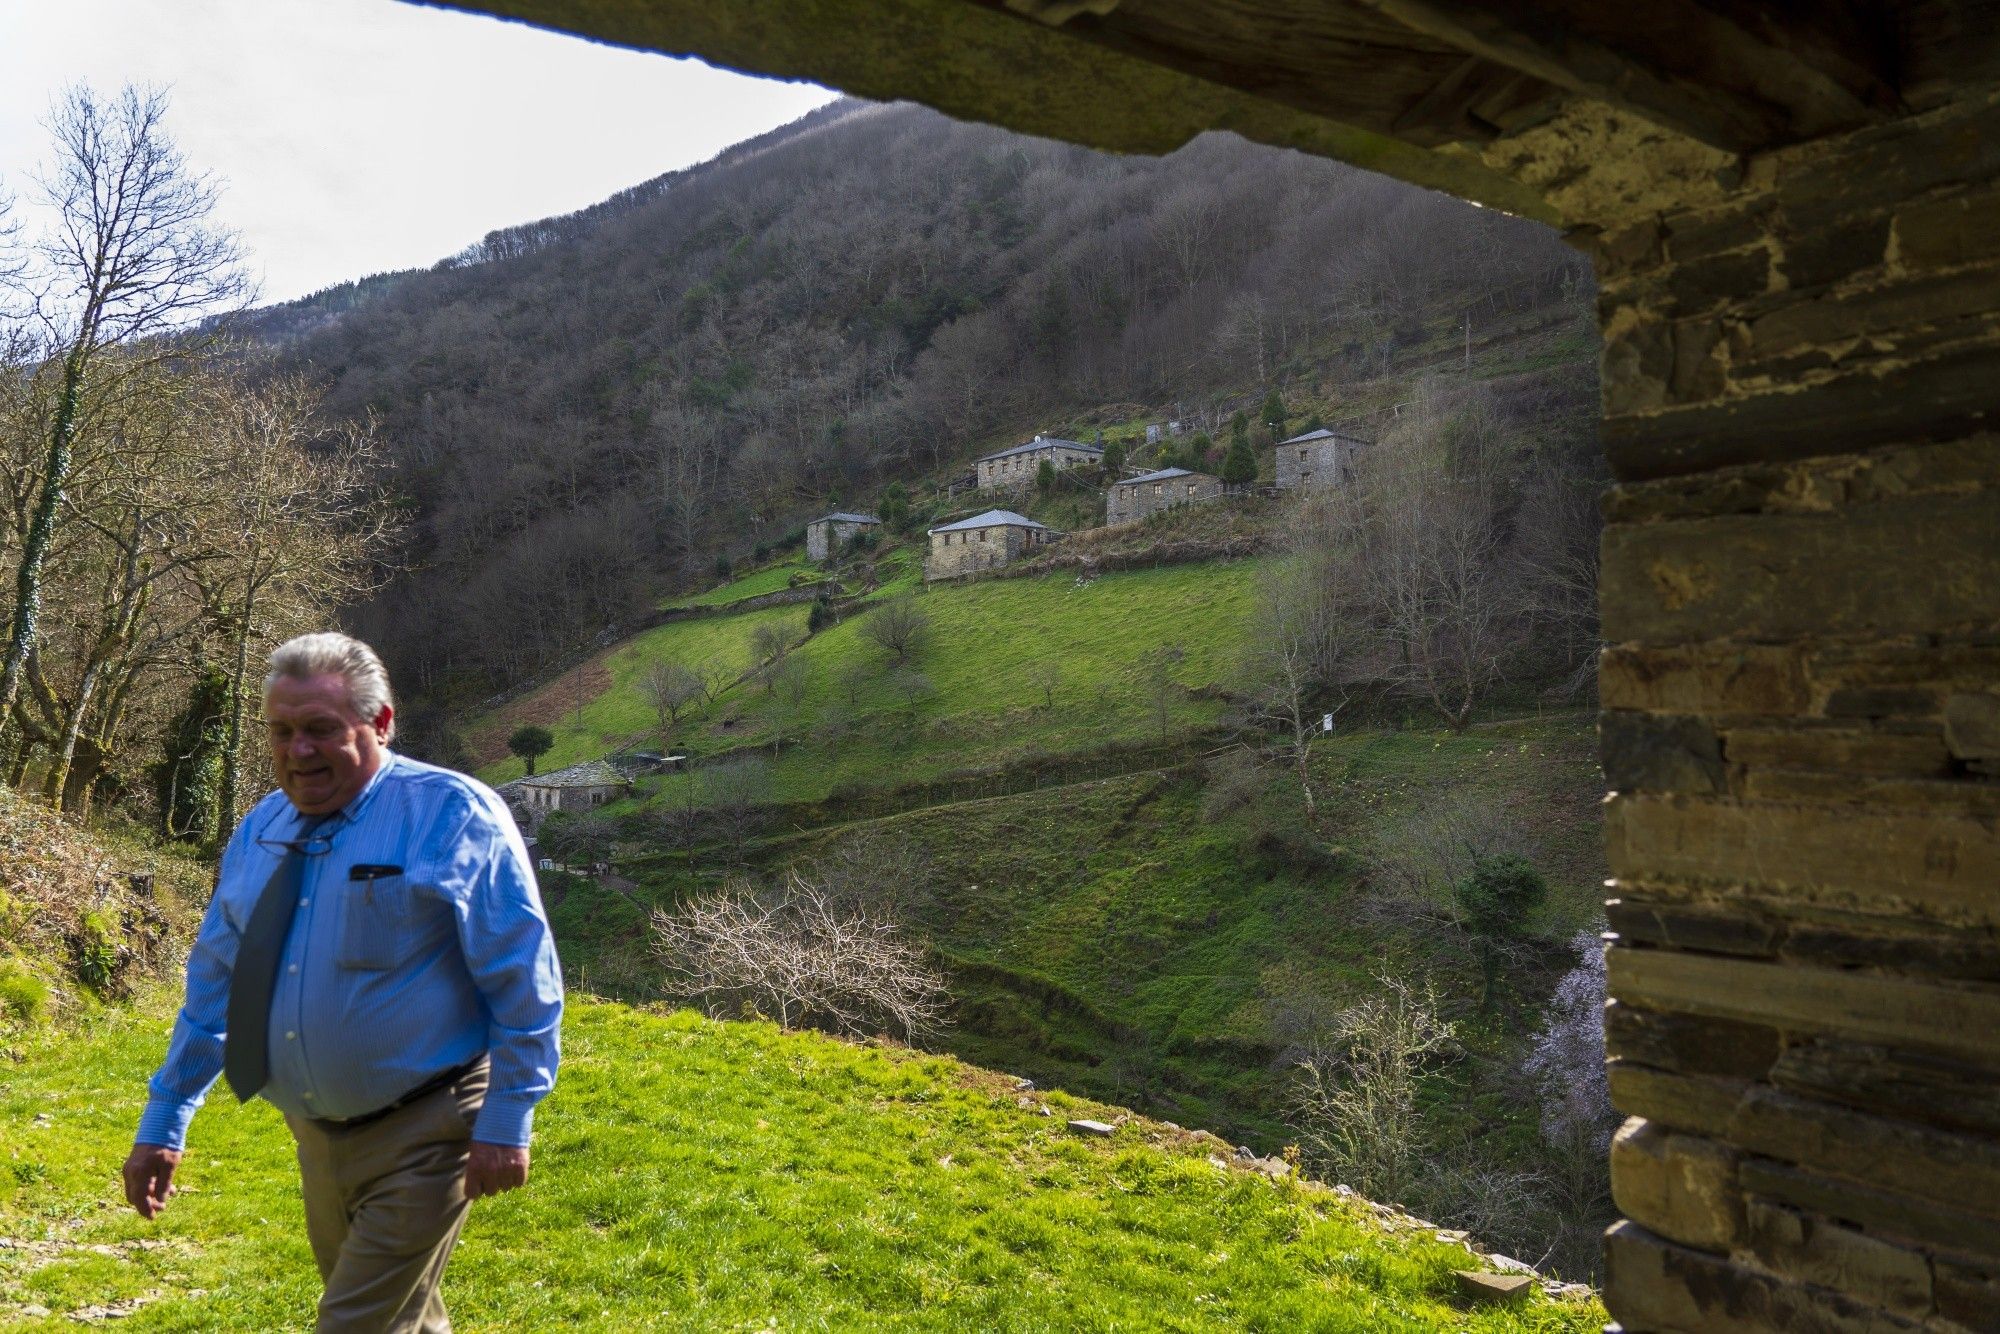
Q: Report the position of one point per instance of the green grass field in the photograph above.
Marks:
(770, 579)
(693, 1175)
(854, 726)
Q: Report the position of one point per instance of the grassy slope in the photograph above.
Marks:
(695, 1175)
(984, 710)
(1115, 938)
(770, 579)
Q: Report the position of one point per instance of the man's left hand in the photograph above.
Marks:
(494, 1168)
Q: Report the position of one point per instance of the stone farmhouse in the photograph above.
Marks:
(1317, 458)
(828, 534)
(983, 542)
(1136, 497)
(580, 787)
(1014, 469)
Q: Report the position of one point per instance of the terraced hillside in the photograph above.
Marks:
(971, 697)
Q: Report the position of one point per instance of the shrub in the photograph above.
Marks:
(96, 948)
(895, 507)
(821, 616)
(802, 957)
(722, 567)
(1494, 901)
(23, 996)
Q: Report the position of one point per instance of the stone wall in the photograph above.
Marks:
(968, 551)
(1125, 502)
(1315, 462)
(1801, 587)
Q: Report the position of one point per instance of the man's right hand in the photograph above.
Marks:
(149, 1177)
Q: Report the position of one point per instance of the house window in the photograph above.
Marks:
(1302, 455)
(1159, 489)
(1190, 490)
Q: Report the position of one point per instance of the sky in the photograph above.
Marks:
(356, 136)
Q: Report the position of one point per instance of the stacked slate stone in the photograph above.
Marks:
(1801, 586)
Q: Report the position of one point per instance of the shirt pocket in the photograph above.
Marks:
(376, 922)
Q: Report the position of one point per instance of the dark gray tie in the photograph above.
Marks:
(246, 1045)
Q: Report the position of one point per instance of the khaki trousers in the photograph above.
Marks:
(384, 1204)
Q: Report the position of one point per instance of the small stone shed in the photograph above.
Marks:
(580, 787)
(1317, 458)
(1136, 497)
(1015, 469)
(827, 534)
(982, 542)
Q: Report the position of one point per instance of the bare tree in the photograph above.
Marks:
(734, 793)
(790, 677)
(1425, 510)
(1560, 526)
(771, 640)
(900, 627)
(1354, 1095)
(1156, 672)
(913, 686)
(715, 677)
(304, 524)
(1047, 677)
(854, 679)
(672, 688)
(1307, 640)
(131, 254)
(803, 957)
(879, 870)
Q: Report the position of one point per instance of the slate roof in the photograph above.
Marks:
(1042, 442)
(1163, 475)
(991, 519)
(1322, 434)
(591, 773)
(842, 516)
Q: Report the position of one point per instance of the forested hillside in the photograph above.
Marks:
(587, 410)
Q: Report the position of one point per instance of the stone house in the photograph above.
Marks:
(1136, 497)
(1317, 458)
(826, 535)
(580, 787)
(983, 542)
(1015, 469)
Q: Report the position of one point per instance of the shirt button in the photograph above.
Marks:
(307, 1095)
(291, 1036)
(293, 969)
(304, 902)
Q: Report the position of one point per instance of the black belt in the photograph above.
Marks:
(423, 1090)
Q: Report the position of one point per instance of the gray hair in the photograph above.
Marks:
(330, 653)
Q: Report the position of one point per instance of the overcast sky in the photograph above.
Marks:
(354, 136)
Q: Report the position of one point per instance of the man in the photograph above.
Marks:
(376, 963)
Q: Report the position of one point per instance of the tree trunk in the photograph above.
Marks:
(225, 816)
(58, 779)
(42, 527)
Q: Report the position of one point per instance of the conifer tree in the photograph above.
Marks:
(1273, 414)
(1239, 465)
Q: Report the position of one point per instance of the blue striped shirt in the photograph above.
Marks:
(387, 982)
